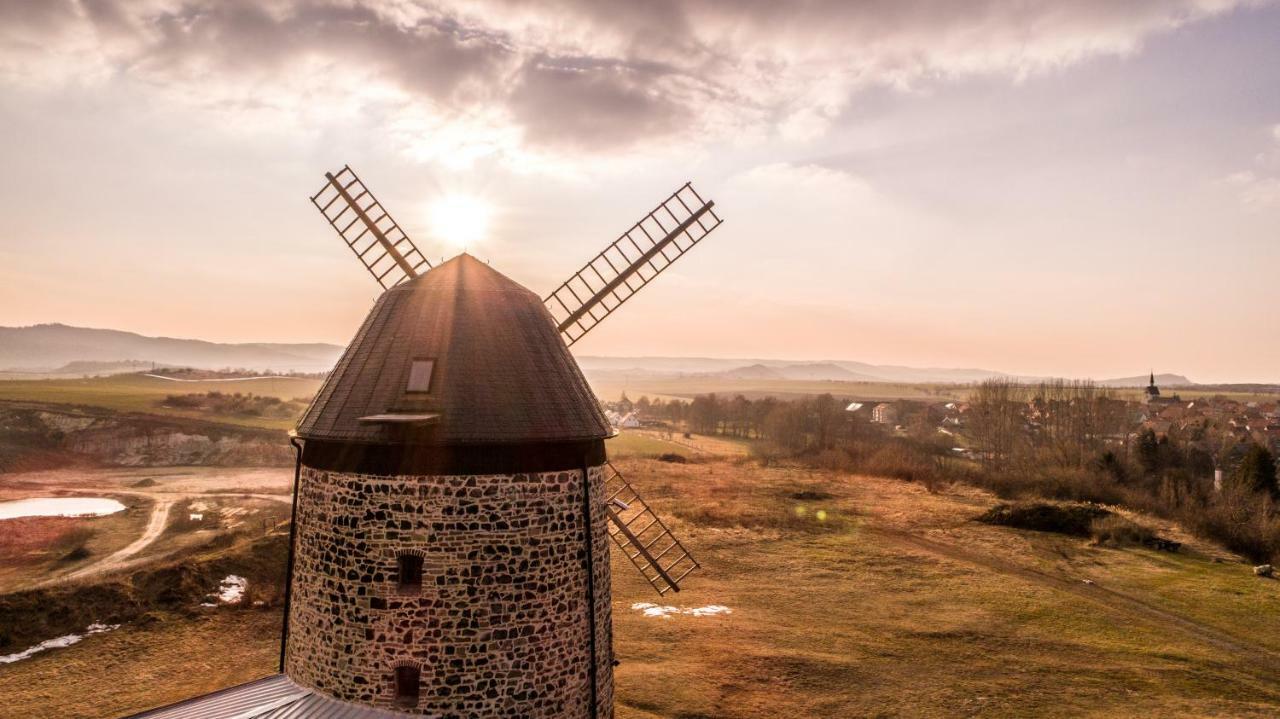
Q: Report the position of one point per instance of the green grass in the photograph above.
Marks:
(632, 444)
(138, 393)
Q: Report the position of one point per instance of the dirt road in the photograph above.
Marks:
(162, 504)
(155, 527)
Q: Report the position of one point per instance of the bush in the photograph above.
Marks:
(673, 458)
(72, 544)
(1072, 519)
(1116, 531)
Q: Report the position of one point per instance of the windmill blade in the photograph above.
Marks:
(631, 262)
(368, 229)
(661, 559)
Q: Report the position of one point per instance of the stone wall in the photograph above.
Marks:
(501, 626)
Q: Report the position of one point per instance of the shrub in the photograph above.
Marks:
(673, 458)
(72, 544)
(1116, 531)
(1072, 519)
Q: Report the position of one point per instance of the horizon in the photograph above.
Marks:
(1092, 188)
(1017, 376)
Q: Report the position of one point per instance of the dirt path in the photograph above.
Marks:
(155, 527)
(162, 504)
(1265, 661)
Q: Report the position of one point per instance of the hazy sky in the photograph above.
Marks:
(1083, 188)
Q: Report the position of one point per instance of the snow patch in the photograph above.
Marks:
(666, 612)
(58, 642)
(230, 591)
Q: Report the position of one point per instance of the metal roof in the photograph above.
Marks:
(501, 372)
(275, 697)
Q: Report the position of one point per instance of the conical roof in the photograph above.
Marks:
(487, 348)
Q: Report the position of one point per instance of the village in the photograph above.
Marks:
(1216, 431)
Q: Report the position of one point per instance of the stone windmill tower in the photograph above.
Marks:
(454, 503)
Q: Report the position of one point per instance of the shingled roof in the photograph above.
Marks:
(500, 371)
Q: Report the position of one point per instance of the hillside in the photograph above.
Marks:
(846, 596)
(54, 347)
(1162, 380)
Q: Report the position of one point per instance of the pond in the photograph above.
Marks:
(59, 507)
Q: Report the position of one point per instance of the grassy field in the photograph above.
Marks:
(33, 549)
(139, 393)
(650, 443)
(849, 596)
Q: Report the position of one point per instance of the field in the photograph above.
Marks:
(612, 387)
(41, 548)
(650, 443)
(848, 596)
(140, 393)
(158, 522)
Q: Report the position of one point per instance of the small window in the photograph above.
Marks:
(410, 573)
(420, 375)
(408, 686)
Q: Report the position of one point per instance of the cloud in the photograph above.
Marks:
(514, 79)
(1255, 191)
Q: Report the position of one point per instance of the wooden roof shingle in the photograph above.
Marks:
(502, 374)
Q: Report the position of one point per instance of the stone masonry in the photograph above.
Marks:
(500, 626)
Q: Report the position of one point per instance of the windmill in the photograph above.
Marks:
(460, 386)
(578, 304)
(453, 500)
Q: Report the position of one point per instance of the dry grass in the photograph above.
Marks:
(139, 667)
(33, 549)
(895, 604)
(138, 393)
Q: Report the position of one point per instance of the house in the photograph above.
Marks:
(884, 413)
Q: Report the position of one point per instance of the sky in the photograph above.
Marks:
(1082, 189)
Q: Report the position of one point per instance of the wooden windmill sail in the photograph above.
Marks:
(577, 305)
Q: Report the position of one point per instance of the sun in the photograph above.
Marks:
(460, 220)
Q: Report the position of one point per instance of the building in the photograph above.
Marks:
(884, 413)
(1152, 392)
(450, 555)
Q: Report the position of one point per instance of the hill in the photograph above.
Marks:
(1162, 380)
(806, 370)
(836, 595)
(54, 347)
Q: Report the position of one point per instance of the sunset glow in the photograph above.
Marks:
(1009, 187)
(460, 221)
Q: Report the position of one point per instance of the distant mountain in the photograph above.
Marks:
(823, 371)
(53, 347)
(836, 370)
(898, 373)
(1162, 380)
(755, 371)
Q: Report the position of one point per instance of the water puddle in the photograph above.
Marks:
(59, 507)
(666, 612)
(58, 642)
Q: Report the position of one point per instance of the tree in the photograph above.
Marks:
(1257, 471)
(1148, 451)
(996, 419)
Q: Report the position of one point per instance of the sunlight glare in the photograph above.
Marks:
(460, 220)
